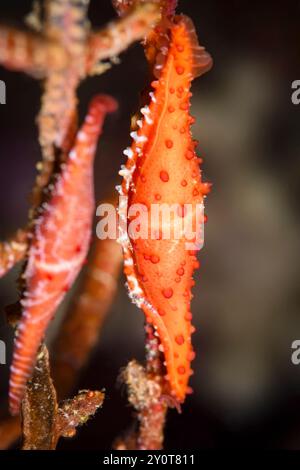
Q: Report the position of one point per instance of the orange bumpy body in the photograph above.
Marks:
(163, 168)
(59, 246)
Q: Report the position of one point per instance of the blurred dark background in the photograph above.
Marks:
(247, 299)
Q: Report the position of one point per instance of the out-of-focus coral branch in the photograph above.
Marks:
(55, 50)
(29, 52)
(167, 6)
(43, 421)
(80, 329)
(64, 53)
(10, 431)
(66, 26)
(118, 36)
(13, 251)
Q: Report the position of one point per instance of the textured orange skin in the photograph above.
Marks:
(59, 247)
(163, 269)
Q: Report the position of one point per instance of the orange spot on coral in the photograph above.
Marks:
(164, 176)
(184, 106)
(189, 154)
(154, 259)
(168, 292)
(179, 339)
(179, 70)
(181, 370)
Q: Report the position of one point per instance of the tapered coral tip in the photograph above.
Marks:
(103, 101)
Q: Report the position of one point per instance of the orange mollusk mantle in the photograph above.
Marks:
(163, 167)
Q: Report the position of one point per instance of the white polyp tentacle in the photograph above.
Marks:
(152, 96)
(138, 138)
(145, 110)
(128, 152)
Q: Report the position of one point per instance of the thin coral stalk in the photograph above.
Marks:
(81, 327)
(146, 387)
(146, 397)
